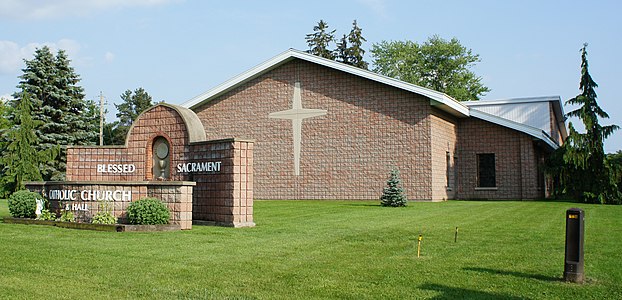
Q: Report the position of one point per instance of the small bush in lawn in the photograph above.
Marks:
(22, 204)
(104, 216)
(393, 193)
(147, 211)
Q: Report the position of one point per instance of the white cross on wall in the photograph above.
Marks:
(297, 114)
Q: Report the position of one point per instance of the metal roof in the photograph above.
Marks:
(532, 131)
(558, 108)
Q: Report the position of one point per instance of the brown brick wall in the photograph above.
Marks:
(226, 197)
(160, 121)
(444, 138)
(516, 161)
(223, 198)
(347, 153)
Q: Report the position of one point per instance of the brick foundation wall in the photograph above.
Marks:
(516, 161)
(176, 195)
(347, 153)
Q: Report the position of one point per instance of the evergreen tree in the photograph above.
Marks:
(319, 41)
(355, 51)
(134, 103)
(342, 52)
(584, 152)
(59, 107)
(393, 193)
(21, 160)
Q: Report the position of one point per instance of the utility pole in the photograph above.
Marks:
(101, 118)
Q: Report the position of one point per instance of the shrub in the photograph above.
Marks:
(22, 204)
(47, 215)
(147, 211)
(393, 193)
(67, 216)
(104, 216)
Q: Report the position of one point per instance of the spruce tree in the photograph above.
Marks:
(58, 107)
(355, 51)
(393, 193)
(21, 161)
(134, 103)
(342, 53)
(584, 152)
(319, 41)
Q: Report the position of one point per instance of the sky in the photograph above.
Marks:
(178, 49)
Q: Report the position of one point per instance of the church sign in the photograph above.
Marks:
(166, 156)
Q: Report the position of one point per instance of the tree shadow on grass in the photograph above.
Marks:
(449, 292)
(515, 274)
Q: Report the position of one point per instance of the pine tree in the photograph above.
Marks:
(393, 193)
(342, 51)
(319, 41)
(21, 160)
(355, 51)
(59, 107)
(584, 152)
(128, 111)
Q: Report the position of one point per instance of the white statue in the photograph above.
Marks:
(39, 207)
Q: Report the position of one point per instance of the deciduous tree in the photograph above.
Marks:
(437, 64)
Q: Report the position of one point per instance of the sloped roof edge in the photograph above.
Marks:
(532, 131)
(437, 98)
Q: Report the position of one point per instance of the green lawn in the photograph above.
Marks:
(324, 250)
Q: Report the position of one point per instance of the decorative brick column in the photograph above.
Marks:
(224, 198)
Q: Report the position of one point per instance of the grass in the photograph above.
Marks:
(324, 250)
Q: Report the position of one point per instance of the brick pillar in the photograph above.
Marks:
(243, 184)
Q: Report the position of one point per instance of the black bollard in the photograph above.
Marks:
(573, 260)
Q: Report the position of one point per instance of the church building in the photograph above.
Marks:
(327, 130)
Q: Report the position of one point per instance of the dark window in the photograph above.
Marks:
(486, 170)
(448, 166)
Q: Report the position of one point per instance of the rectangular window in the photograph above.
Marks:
(486, 170)
(448, 171)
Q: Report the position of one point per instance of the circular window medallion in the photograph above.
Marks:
(162, 151)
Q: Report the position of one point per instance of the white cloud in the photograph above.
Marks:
(12, 55)
(45, 9)
(376, 6)
(109, 57)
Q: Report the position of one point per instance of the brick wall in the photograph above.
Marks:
(444, 136)
(224, 197)
(347, 153)
(161, 121)
(516, 161)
